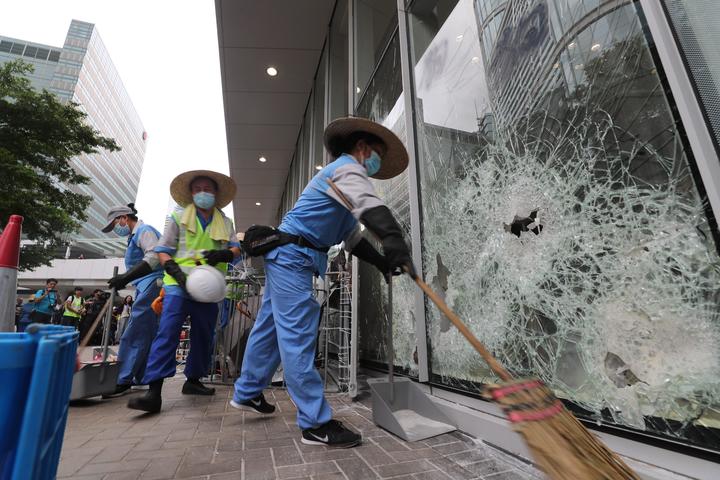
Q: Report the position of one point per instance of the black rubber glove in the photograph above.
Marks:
(381, 222)
(174, 270)
(214, 257)
(118, 282)
(366, 252)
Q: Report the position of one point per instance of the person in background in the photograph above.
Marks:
(199, 234)
(25, 312)
(143, 270)
(287, 324)
(124, 316)
(93, 305)
(18, 311)
(45, 301)
(74, 308)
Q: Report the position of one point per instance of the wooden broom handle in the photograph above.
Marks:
(459, 324)
(89, 335)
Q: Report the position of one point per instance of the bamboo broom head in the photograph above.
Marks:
(561, 446)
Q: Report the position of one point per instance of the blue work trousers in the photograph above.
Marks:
(138, 336)
(162, 362)
(285, 330)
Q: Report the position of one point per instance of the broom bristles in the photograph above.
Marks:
(561, 446)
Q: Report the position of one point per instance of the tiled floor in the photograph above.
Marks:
(205, 438)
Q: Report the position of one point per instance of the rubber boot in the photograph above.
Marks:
(151, 402)
(192, 386)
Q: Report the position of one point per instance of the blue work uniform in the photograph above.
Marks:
(177, 305)
(287, 323)
(143, 322)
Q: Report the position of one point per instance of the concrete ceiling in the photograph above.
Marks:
(263, 114)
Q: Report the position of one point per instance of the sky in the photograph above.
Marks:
(166, 52)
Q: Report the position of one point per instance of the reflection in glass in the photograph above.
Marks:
(696, 27)
(383, 102)
(560, 213)
(339, 61)
(375, 22)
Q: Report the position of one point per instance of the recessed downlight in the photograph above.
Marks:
(258, 203)
(272, 71)
(262, 159)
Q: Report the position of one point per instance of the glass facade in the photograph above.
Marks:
(696, 25)
(560, 211)
(83, 72)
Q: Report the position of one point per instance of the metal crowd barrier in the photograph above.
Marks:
(236, 316)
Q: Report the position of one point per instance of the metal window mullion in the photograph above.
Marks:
(354, 351)
(691, 114)
(413, 188)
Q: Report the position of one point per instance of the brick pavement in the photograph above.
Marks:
(205, 438)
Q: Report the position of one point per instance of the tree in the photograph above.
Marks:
(39, 135)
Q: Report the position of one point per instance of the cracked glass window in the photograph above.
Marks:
(562, 217)
(384, 103)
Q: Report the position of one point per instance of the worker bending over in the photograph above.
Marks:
(199, 234)
(287, 323)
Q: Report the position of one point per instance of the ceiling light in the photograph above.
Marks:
(318, 167)
(262, 159)
(459, 38)
(596, 47)
(475, 59)
(258, 203)
(357, 89)
(272, 71)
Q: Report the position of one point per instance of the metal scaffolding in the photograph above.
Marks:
(336, 352)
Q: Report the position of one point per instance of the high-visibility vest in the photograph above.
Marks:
(190, 246)
(77, 303)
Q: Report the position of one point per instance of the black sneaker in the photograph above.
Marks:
(332, 434)
(194, 387)
(120, 390)
(149, 402)
(255, 405)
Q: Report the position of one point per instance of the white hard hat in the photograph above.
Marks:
(206, 284)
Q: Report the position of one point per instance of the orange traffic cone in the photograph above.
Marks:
(9, 261)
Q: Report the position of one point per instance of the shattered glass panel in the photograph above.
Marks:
(561, 216)
(384, 103)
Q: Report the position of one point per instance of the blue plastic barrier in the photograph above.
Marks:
(36, 369)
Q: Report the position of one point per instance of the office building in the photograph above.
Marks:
(83, 72)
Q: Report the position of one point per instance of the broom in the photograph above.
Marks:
(562, 447)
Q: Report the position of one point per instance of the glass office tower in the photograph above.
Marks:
(82, 71)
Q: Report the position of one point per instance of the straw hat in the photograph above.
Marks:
(395, 160)
(180, 187)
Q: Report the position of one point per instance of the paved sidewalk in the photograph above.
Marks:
(205, 438)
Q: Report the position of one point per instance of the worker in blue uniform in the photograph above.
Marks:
(143, 271)
(287, 323)
(198, 234)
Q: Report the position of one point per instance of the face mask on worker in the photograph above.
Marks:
(122, 230)
(372, 163)
(204, 200)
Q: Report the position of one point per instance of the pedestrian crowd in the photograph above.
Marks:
(74, 309)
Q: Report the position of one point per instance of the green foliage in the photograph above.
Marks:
(39, 135)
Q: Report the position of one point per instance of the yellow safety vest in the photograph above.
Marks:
(77, 304)
(191, 245)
